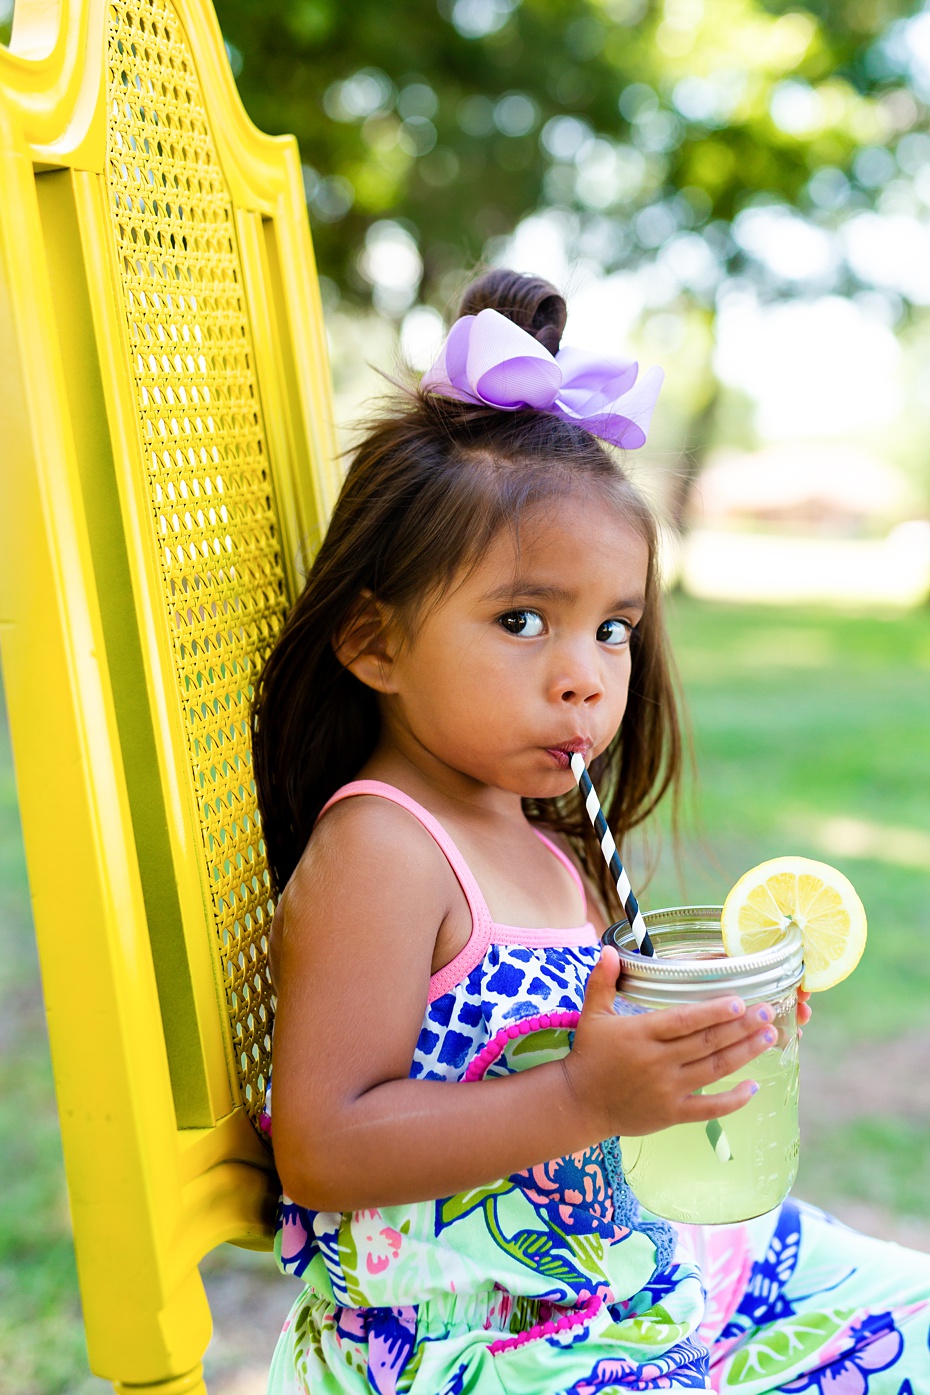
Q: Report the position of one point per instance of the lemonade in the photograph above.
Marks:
(745, 1165)
(676, 1173)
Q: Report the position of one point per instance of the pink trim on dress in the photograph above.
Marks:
(458, 969)
(479, 1065)
(576, 1318)
(541, 939)
(484, 931)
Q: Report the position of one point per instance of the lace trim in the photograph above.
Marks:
(627, 1209)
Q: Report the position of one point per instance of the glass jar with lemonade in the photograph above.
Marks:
(785, 919)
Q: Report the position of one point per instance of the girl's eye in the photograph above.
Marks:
(614, 633)
(527, 624)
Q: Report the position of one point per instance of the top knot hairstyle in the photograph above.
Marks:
(431, 484)
(529, 301)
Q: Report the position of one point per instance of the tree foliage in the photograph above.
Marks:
(641, 119)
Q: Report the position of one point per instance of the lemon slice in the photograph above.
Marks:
(816, 898)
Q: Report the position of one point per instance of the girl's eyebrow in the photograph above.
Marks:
(537, 591)
(530, 590)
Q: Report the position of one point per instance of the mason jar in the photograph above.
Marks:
(745, 1163)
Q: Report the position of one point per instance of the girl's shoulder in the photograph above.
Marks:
(366, 839)
(369, 869)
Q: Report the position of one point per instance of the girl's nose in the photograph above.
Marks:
(579, 683)
(585, 695)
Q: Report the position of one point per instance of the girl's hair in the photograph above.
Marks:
(431, 484)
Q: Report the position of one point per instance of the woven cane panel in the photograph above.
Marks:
(212, 510)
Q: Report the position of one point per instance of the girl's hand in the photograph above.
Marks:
(639, 1074)
(804, 1012)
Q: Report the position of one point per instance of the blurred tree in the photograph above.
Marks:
(774, 147)
(428, 130)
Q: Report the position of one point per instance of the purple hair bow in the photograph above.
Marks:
(488, 359)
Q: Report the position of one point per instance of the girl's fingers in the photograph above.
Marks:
(675, 1023)
(701, 1046)
(696, 1074)
(602, 982)
(707, 1040)
(700, 1108)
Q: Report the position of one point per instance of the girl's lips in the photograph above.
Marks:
(562, 754)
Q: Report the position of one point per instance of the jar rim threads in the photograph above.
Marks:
(689, 965)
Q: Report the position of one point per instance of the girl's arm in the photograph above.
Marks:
(352, 950)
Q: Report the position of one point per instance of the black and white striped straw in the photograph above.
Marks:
(715, 1134)
(609, 848)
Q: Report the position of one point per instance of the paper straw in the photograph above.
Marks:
(718, 1140)
(609, 848)
(715, 1134)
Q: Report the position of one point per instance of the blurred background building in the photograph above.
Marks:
(740, 191)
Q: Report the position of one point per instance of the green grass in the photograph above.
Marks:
(800, 718)
(884, 1161)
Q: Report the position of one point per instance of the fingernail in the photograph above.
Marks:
(737, 1007)
(770, 1036)
(753, 1088)
(765, 1014)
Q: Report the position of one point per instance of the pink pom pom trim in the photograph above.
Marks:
(576, 1318)
(479, 1065)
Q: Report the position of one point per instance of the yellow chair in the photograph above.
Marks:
(167, 450)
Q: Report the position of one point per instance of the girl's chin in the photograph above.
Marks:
(550, 786)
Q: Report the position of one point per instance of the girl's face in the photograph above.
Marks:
(525, 659)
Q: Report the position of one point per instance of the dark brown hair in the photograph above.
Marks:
(428, 488)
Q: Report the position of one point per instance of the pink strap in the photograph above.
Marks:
(567, 864)
(479, 939)
(482, 927)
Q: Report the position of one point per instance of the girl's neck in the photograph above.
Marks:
(439, 787)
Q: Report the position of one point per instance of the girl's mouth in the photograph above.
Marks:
(562, 754)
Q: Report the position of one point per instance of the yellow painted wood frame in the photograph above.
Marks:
(167, 454)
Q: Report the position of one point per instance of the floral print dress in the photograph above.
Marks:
(550, 1281)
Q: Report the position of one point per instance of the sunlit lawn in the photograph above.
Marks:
(803, 720)
(800, 720)
(813, 735)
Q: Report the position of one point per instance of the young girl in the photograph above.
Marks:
(447, 1063)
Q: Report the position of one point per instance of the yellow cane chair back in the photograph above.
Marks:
(167, 452)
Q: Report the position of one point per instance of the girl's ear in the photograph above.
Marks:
(364, 644)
